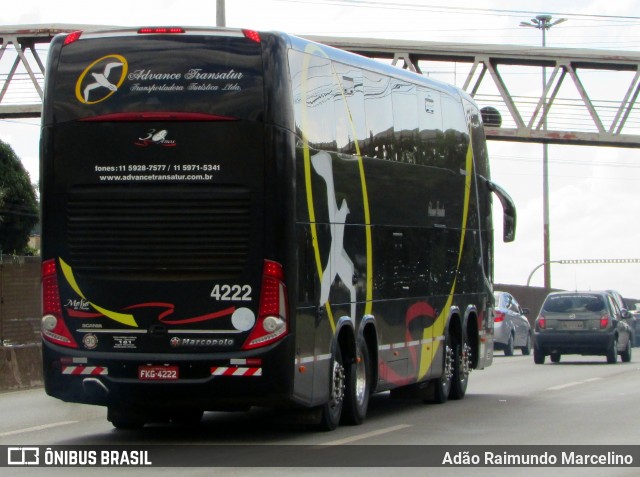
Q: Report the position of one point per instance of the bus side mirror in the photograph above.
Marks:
(508, 209)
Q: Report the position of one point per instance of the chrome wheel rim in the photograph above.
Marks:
(337, 388)
(361, 379)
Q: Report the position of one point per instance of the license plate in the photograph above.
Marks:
(158, 373)
(573, 325)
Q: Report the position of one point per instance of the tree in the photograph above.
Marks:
(18, 203)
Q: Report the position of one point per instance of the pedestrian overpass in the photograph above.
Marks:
(589, 96)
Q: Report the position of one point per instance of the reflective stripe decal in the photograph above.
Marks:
(85, 370)
(410, 344)
(312, 359)
(235, 371)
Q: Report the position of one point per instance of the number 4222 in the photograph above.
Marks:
(231, 292)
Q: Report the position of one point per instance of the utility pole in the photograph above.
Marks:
(544, 23)
(221, 20)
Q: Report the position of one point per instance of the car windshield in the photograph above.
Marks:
(574, 304)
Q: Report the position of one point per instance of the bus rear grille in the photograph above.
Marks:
(179, 231)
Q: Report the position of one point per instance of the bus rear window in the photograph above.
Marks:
(212, 75)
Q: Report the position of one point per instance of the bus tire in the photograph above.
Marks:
(357, 386)
(332, 409)
(461, 369)
(125, 420)
(441, 387)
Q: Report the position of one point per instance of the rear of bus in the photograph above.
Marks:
(160, 290)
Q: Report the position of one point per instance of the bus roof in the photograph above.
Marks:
(301, 44)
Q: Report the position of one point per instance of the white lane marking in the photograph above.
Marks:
(574, 383)
(37, 428)
(366, 435)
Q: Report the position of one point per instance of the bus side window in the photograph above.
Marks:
(405, 121)
(429, 119)
(379, 115)
(313, 105)
(349, 109)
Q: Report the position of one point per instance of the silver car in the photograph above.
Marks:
(511, 328)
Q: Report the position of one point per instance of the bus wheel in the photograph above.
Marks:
(358, 384)
(125, 420)
(461, 370)
(332, 410)
(441, 387)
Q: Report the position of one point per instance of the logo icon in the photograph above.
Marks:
(90, 341)
(23, 456)
(156, 137)
(101, 79)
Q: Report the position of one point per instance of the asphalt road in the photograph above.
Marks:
(579, 401)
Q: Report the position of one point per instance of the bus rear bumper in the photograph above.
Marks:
(206, 382)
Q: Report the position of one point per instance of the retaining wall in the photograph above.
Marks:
(20, 351)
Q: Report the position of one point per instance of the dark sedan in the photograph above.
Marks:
(586, 323)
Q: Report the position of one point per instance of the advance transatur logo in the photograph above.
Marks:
(101, 79)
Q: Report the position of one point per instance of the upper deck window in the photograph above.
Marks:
(180, 73)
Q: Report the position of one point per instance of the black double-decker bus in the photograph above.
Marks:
(235, 218)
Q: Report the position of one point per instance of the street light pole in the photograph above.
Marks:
(221, 20)
(544, 23)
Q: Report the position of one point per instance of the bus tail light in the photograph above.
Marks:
(160, 30)
(72, 37)
(157, 116)
(252, 35)
(54, 328)
(272, 321)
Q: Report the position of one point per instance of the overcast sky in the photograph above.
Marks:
(594, 191)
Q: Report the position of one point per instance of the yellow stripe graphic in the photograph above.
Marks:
(123, 318)
(365, 200)
(426, 357)
(309, 191)
(307, 173)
